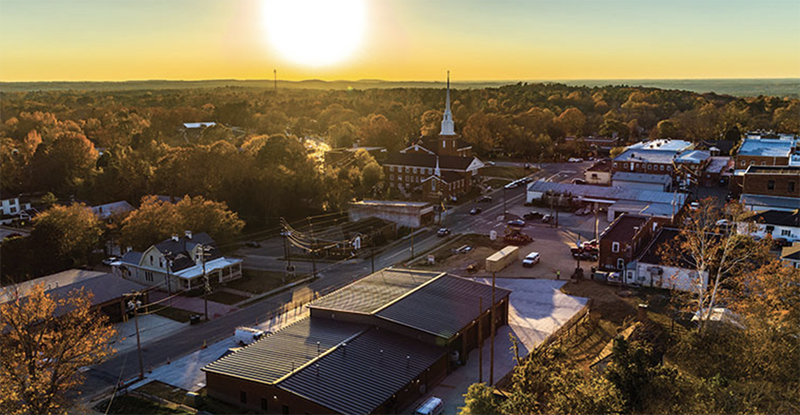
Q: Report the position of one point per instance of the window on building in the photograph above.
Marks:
(400, 177)
(615, 247)
(771, 185)
(391, 177)
(391, 168)
(408, 169)
(615, 164)
(243, 396)
(763, 163)
(13, 209)
(444, 144)
(752, 162)
(148, 276)
(786, 232)
(624, 165)
(649, 167)
(415, 170)
(264, 404)
(669, 168)
(151, 260)
(620, 263)
(662, 167)
(433, 185)
(769, 229)
(791, 187)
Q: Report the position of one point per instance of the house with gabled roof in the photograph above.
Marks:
(179, 263)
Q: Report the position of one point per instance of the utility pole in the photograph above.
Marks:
(480, 339)
(505, 211)
(135, 304)
(491, 349)
(169, 281)
(313, 248)
(206, 287)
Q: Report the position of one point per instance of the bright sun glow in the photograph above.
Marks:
(315, 32)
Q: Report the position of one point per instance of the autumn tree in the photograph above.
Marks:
(431, 123)
(63, 164)
(380, 132)
(707, 246)
(46, 340)
(572, 121)
(156, 220)
(64, 236)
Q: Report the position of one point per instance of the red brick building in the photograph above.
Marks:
(435, 168)
(623, 240)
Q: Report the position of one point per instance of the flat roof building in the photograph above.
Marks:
(373, 346)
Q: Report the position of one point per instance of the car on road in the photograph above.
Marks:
(532, 215)
(575, 160)
(518, 223)
(491, 163)
(546, 218)
(108, 261)
(475, 210)
(253, 244)
(694, 205)
(582, 255)
(485, 199)
(512, 185)
(578, 181)
(530, 260)
(442, 232)
(526, 179)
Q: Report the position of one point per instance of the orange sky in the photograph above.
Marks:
(403, 40)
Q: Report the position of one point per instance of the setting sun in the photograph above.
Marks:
(314, 32)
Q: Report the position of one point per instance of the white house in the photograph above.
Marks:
(108, 210)
(790, 255)
(177, 264)
(11, 209)
(776, 223)
(650, 270)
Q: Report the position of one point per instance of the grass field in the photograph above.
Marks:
(225, 297)
(181, 316)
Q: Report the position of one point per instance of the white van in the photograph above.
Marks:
(247, 335)
(433, 406)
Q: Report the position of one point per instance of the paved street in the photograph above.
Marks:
(187, 339)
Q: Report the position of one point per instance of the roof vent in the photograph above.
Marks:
(175, 237)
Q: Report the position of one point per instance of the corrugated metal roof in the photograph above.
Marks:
(443, 307)
(359, 377)
(279, 354)
(374, 291)
(624, 176)
(766, 148)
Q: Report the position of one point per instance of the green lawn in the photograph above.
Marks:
(257, 282)
(164, 391)
(126, 404)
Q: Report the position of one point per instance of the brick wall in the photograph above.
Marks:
(772, 185)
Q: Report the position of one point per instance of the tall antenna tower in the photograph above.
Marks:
(275, 74)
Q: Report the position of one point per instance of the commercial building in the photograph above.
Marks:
(758, 152)
(652, 270)
(642, 181)
(622, 241)
(599, 173)
(718, 172)
(652, 157)
(771, 188)
(373, 346)
(409, 214)
(662, 206)
(108, 291)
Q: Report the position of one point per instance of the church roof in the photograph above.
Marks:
(428, 160)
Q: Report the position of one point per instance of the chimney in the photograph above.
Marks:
(175, 237)
(188, 234)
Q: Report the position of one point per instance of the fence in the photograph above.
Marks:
(569, 328)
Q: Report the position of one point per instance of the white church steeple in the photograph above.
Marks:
(447, 121)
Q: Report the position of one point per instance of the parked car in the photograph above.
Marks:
(432, 406)
(485, 199)
(590, 245)
(584, 255)
(694, 205)
(512, 185)
(578, 181)
(253, 244)
(516, 223)
(532, 215)
(546, 218)
(526, 179)
(530, 260)
(475, 210)
(614, 278)
(443, 232)
(108, 261)
(491, 163)
(575, 160)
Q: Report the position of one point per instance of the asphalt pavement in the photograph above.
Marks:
(187, 339)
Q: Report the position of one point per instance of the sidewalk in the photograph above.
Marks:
(151, 327)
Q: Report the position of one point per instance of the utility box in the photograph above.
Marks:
(502, 258)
